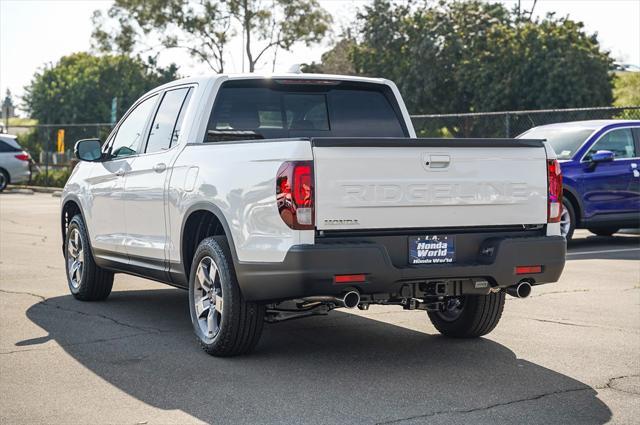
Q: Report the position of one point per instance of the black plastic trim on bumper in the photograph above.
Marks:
(309, 269)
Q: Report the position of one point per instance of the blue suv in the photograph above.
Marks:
(600, 163)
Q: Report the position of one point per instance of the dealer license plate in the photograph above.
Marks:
(432, 249)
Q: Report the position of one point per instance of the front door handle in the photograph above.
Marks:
(160, 167)
(120, 172)
(634, 169)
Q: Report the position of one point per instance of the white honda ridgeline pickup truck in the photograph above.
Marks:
(273, 198)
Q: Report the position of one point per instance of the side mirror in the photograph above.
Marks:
(602, 156)
(88, 150)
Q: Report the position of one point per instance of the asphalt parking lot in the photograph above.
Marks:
(569, 354)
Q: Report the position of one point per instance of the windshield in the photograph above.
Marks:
(255, 109)
(564, 141)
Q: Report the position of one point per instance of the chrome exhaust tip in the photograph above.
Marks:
(351, 299)
(521, 290)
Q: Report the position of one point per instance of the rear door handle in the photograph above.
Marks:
(160, 167)
(634, 169)
(120, 172)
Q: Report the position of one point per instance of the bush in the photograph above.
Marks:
(56, 178)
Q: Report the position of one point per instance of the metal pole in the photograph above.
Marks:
(46, 159)
(507, 125)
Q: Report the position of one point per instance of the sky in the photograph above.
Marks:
(36, 32)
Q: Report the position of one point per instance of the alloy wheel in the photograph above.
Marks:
(207, 297)
(565, 222)
(75, 258)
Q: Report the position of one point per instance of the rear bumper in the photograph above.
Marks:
(308, 270)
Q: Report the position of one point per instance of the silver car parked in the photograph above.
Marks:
(14, 162)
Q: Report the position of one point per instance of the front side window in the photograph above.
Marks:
(619, 141)
(165, 127)
(129, 134)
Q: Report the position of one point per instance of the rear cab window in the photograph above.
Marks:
(273, 109)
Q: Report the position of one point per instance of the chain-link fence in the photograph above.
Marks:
(51, 145)
(510, 123)
(51, 148)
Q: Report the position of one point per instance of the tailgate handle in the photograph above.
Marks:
(439, 161)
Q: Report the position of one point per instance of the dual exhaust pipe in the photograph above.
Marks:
(349, 299)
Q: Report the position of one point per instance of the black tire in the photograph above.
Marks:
(4, 180)
(95, 283)
(239, 324)
(478, 316)
(604, 231)
(568, 206)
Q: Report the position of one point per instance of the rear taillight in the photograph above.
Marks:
(23, 156)
(294, 193)
(554, 178)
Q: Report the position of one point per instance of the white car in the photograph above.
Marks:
(273, 198)
(14, 162)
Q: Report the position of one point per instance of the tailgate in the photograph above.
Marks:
(423, 183)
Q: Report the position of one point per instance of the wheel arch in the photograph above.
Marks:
(572, 196)
(201, 221)
(6, 173)
(71, 206)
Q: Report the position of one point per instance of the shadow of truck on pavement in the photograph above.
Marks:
(336, 369)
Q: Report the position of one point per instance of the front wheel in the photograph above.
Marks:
(469, 316)
(224, 323)
(567, 220)
(86, 280)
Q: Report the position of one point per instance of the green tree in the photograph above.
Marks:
(337, 60)
(204, 28)
(80, 87)
(627, 89)
(475, 56)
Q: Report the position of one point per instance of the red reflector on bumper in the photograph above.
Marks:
(348, 278)
(528, 269)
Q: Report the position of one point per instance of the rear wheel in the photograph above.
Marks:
(224, 323)
(604, 231)
(469, 316)
(87, 281)
(4, 180)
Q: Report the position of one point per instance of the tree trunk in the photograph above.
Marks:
(247, 31)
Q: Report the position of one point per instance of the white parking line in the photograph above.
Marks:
(603, 251)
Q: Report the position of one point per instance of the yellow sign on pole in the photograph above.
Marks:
(61, 141)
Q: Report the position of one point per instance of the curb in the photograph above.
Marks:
(36, 189)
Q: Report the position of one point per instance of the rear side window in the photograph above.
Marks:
(260, 109)
(166, 124)
(6, 147)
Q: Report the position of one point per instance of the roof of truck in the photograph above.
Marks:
(252, 76)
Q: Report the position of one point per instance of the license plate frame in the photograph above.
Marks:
(426, 250)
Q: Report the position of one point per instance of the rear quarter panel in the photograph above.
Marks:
(239, 180)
